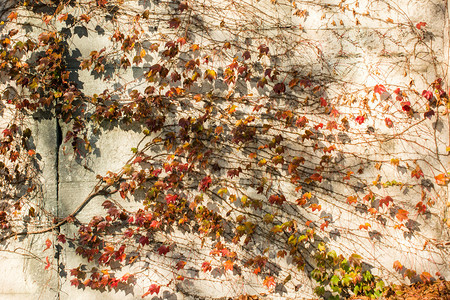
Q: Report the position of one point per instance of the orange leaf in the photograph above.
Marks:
(228, 265)
(63, 17)
(315, 207)
(398, 266)
(425, 276)
(365, 226)
(347, 177)
(324, 225)
(441, 179)
(402, 215)
(351, 199)
(218, 130)
(154, 288)
(47, 19)
(420, 25)
(12, 16)
(372, 210)
(85, 18)
(316, 177)
(269, 282)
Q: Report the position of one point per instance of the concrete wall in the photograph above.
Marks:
(351, 46)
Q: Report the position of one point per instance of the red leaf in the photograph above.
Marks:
(406, 106)
(429, 114)
(180, 265)
(359, 119)
(323, 102)
(246, 55)
(277, 199)
(386, 200)
(379, 89)
(204, 183)
(183, 6)
(420, 25)
(421, 208)
(170, 199)
(47, 266)
(316, 177)
(163, 250)
(388, 122)
(206, 266)
(62, 238)
(143, 240)
(48, 244)
(75, 282)
(320, 125)
(279, 88)
(174, 23)
(301, 122)
(417, 172)
(153, 289)
(427, 95)
(397, 91)
(63, 17)
(402, 215)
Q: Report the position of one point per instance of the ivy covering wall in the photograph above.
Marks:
(212, 149)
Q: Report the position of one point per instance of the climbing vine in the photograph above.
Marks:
(252, 160)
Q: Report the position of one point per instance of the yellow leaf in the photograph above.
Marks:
(395, 161)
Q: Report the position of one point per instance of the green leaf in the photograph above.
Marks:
(320, 290)
(321, 247)
(222, 191)
(302, 238)
(346, 280)
(292, 240)
(380, 285)
(367, 276)
(332, 254)
(335, 280)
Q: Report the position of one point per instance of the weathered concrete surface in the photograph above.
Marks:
(23, 260)
(360, 50)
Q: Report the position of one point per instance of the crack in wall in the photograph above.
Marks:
(58, 253)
